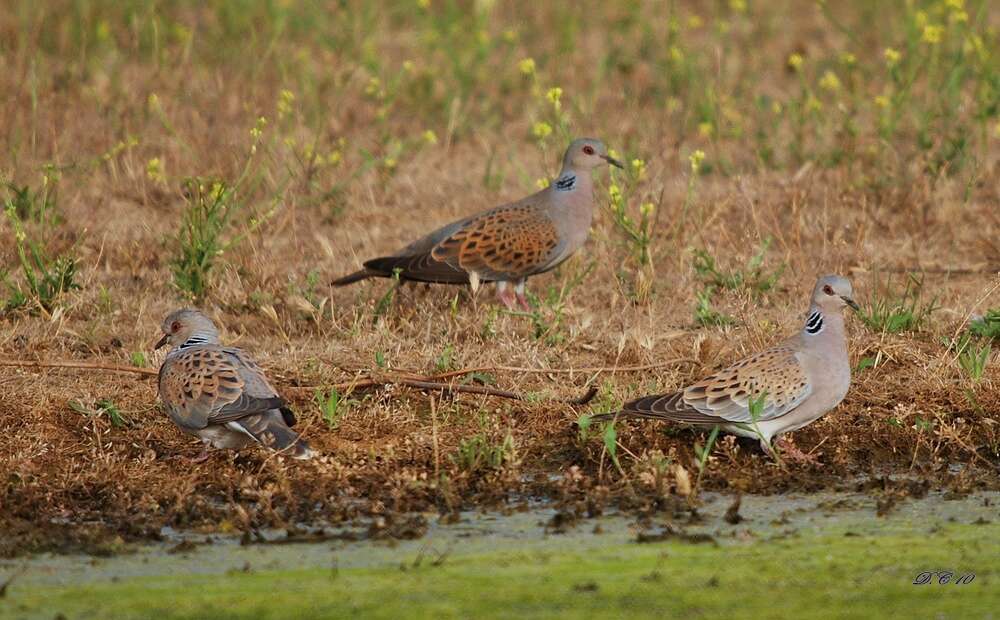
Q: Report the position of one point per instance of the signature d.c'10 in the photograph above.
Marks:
(942, 578)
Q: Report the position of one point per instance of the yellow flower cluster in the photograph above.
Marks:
(639, 168)
(554, 95)
(285, 99)
(541, 130)
(892, 57)
(932, 34)
(154, 170)
(830, 82)
(696, 160)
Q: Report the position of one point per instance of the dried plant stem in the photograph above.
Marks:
(80, 365)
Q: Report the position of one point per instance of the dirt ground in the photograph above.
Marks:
(111, 107)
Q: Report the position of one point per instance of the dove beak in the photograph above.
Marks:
(161, 342)
(611, 160)
(850, 302)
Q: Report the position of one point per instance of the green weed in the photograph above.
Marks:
(478, 454)
(753, 277)
(893, 313)
(201, 241)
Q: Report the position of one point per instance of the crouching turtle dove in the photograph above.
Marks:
(509, 243)
(219, 394)
(796, 382)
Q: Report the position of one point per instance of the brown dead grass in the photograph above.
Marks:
(70, 479)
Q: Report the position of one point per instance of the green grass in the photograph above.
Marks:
(829, 576)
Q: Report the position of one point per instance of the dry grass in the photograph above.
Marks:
(96, 91)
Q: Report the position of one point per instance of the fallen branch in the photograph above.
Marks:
(81, 365)
(413, 381)
(424, 384)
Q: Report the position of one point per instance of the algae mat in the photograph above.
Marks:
(810, 556)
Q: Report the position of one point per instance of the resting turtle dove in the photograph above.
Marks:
(219, 394)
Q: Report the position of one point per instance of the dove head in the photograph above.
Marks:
(832, 294)
(587, 154)
(187, 326)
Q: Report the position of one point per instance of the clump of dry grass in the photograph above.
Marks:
(347, 134)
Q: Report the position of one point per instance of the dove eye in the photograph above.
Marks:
(175, 326)
(828, 289)
(589, 150)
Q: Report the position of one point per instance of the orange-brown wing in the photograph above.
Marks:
(203, 386)
(506, 243)
(774, 374)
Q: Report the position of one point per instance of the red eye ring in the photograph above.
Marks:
(589, 150)
(828, 289)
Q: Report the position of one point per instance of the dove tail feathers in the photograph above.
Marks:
(357, 276)
(271, 429)
(633, 415)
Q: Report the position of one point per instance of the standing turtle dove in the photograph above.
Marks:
(509, 243)
(219, 394)
(795, 382)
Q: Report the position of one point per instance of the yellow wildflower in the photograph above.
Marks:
(430, 137)
(639, 168)
(932, 34)
(920, 18)
(694, 22)
(541, 130)
(892, 57)
(955, 5)
(285, 99)
(739, 6)
(696, 159)
(830, 82)
(408, 66)
(813, 104)
(615, 192)
(509, 35)
(795, 61)
(527, 66)
(554, 95)
(153, 102)
(676, 54)
(705, 129)
(848, 59)
(646, 209)
(776, 107)
(154, 170)
(542, 183)
(882, 101)
(957, 17)
(424, 4)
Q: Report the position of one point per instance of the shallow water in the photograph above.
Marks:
(764, 519)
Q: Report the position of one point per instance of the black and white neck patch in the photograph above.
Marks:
(193, 341)
(814, 324)
(565, 183)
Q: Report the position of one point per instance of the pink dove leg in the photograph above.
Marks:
(522, 299)
(790, 452)
(506, 295)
